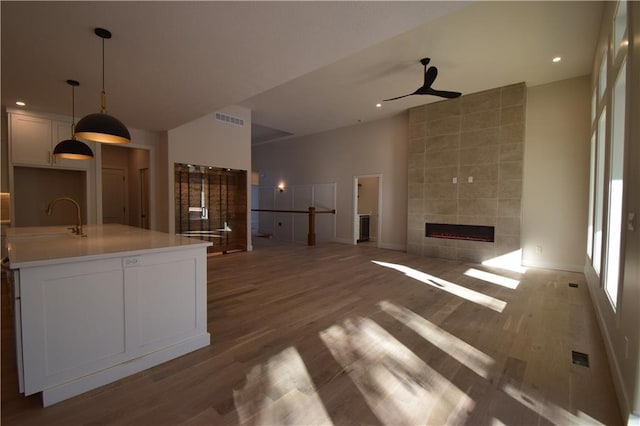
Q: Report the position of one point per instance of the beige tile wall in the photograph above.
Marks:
(480, 135)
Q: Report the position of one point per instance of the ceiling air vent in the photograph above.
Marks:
(226, 118)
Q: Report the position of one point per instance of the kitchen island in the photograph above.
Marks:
(91, 310)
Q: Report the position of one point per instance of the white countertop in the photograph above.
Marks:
(48, 245)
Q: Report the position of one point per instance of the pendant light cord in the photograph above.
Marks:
(73, 112)
(73, 85)
(103, 95)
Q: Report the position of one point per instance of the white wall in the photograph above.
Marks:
(556, 175)
(209, 142)
(336, 156)
(4, 153)
(161, 181)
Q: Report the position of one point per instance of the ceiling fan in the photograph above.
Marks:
(430, 75)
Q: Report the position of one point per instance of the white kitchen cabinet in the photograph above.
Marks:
(32, 140)
(60, 131)
(92, 311)
(72, 321)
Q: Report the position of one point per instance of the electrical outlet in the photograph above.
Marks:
(538, 249)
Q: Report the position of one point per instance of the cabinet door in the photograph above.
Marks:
(73, 321)
(30, 139)
(61, 130)
(167, 300)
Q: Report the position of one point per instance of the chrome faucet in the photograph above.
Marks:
(76, 229)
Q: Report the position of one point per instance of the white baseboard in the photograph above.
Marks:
(398, 247)
(343, 241)
(554, 266)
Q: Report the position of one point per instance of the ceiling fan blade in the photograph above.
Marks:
(403, 96)
(430, 75)
(444, 93)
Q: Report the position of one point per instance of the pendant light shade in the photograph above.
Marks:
(101, 127)
(72, 149)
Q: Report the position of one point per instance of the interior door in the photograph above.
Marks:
(144, 198)
(114, 196)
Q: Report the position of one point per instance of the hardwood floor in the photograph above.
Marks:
(323, 335)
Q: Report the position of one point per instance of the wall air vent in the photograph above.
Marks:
(579, 358)
(229, 119)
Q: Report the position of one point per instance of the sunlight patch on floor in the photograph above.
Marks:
(492, 278)
(398, 386)
(510, 261)
(551, 412)
(280, 391)
(467, 355)
(455, 289)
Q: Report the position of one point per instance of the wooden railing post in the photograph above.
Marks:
(311, 236)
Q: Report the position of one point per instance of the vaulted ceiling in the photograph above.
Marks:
(301, 67)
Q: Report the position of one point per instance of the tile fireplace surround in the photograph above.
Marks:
(465, 167)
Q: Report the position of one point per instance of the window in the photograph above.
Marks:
(592, 167)
(614, 211)
(602, 78)
(619, 27)
(599, 195)
(594, 105)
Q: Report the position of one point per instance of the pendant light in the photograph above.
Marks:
(101, 127)
(73, 149)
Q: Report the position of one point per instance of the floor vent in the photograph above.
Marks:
(230, 119)
(580, 359)
(575, 285)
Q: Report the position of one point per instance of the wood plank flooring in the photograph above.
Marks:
(323, 335)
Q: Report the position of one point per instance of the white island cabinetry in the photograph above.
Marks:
(103, 313)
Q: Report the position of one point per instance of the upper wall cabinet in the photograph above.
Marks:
(32, 140)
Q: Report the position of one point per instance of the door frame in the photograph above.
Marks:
(356, 218)
(144, 176)
(152, 180)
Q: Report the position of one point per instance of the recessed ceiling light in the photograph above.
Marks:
(378, 105)
(20, 103)
(556, 59)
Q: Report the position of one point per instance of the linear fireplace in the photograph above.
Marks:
(460, 232)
